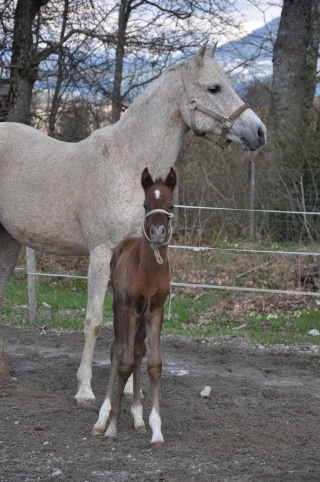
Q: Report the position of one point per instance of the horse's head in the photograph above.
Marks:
(158, 206)
(212, 106)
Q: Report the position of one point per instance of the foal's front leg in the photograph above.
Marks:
(154, 366)
(98, 276)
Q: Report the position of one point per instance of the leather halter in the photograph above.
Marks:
(194, 105)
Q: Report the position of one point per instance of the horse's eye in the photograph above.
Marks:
(214, 89)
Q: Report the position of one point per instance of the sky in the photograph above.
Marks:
(256, 17)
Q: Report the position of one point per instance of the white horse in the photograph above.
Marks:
(69, 199)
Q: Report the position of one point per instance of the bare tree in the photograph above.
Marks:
(24, 61)
(295, 59)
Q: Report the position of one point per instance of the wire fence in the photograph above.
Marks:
(32, 272)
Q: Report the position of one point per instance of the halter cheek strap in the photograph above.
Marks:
(155, 249)
(194, 105)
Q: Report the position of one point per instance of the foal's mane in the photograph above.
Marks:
(159, 180)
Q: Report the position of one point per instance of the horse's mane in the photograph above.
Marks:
(152, 88)
(217, 67)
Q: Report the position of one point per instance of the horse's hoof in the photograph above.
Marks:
(96, 432)
(84, 402)
(141, 429)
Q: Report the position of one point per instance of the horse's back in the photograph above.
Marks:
(39, 188)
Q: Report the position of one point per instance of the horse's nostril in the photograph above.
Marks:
(261, 134)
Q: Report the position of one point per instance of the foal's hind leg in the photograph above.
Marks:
(154, 366)
(9, 253)
(104, 412)
(139, 353)
(125, 367)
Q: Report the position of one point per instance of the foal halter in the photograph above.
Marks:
(194, 105)
(153, 247)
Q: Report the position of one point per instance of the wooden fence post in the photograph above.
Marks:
(32, 285)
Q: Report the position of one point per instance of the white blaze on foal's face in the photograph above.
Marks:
(157, 194)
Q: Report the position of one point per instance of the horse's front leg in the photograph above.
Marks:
(154, 366)
(98, 276)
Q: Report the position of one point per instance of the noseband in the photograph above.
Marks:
(153, 247)
(194, 105)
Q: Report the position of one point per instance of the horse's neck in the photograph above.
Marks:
(152, 129)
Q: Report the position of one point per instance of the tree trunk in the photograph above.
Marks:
(55, 104)
(124, 14)
(23, 75)
(23, 64)
(295, 65)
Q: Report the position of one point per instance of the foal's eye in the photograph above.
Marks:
(214, 89)
(171, 207)
(145, 206)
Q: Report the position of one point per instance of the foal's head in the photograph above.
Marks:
(158, 206)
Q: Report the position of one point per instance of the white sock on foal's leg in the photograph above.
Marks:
(137, 413)
(155, 424)
(101, 423)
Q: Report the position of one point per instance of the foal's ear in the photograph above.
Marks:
(146, 179)
(201, 54)
(171, 179)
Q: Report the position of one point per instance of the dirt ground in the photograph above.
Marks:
(260, 422)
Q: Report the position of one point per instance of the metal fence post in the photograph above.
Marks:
(252, 188)
(32, 285)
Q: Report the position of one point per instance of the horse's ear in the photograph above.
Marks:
(202, 52)
(212, 50)
(146, 179)
(171, 179)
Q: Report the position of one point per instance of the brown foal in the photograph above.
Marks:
(140, 278)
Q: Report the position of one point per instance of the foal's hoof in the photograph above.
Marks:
(96, 432)
(157, 445)
(141, 429)
(109, 440)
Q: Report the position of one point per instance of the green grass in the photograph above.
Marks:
(60, 304)
(67, 303)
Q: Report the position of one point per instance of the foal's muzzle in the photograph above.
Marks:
(157, 234)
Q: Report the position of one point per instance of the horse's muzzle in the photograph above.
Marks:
(255, 140)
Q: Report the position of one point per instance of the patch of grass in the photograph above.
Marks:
(206, 313)
(60, 304)
(288, 329)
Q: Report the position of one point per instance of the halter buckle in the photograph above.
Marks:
(193, 104)
(228, 123)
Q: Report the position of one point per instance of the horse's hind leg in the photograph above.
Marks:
(9, 253)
